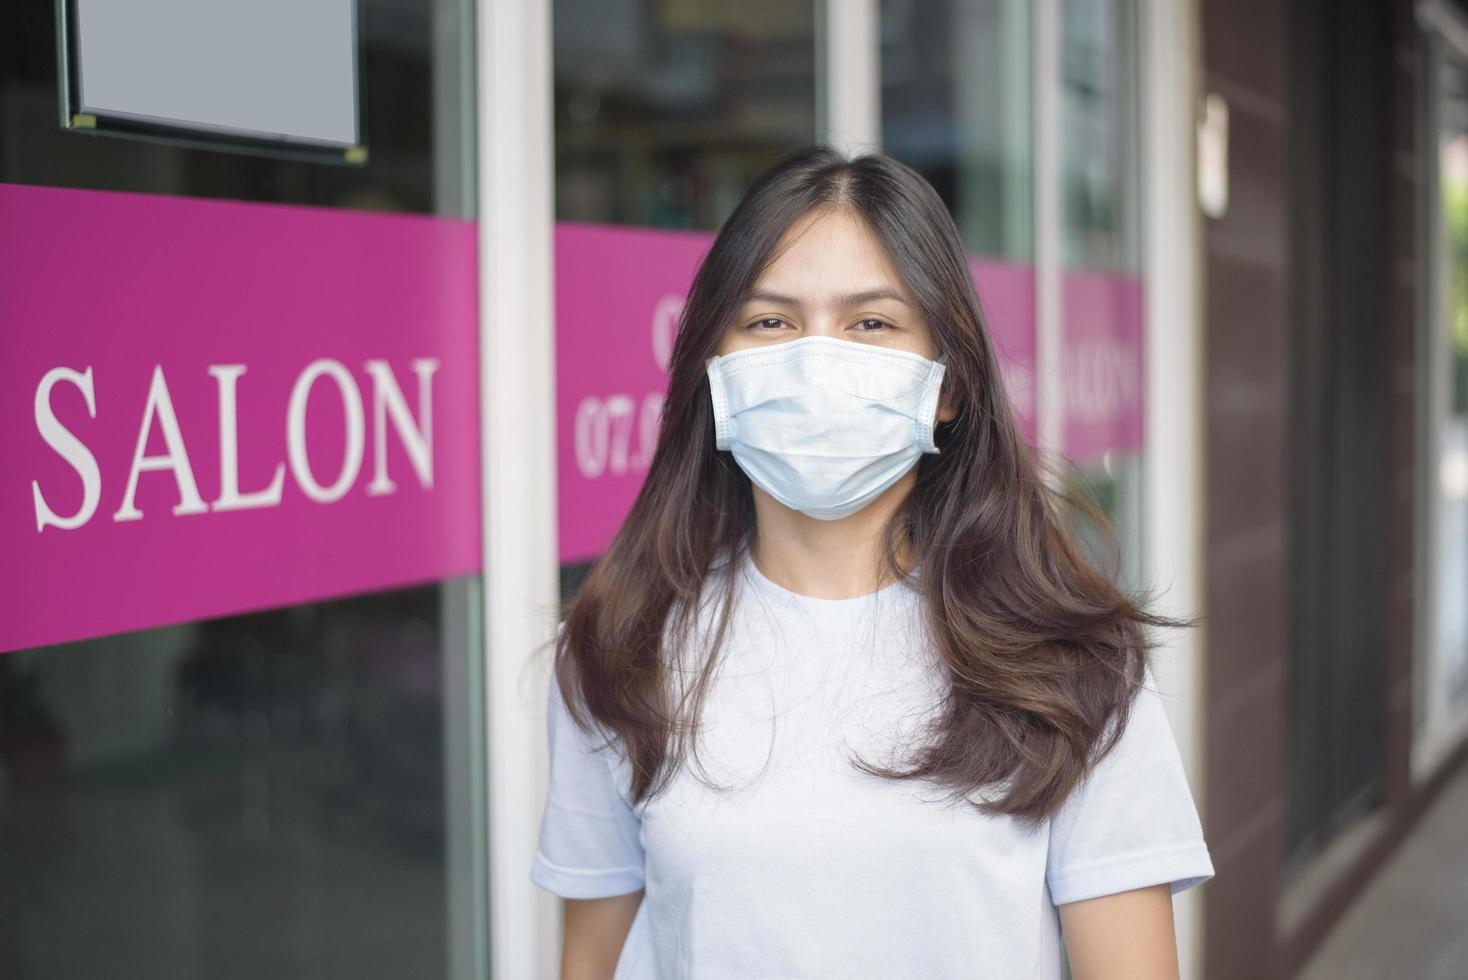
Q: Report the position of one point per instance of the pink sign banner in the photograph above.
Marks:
(1102, 364)
(619, 292)
(213, 407)
(1007, 294)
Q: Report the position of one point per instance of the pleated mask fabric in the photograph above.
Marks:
(823, 425)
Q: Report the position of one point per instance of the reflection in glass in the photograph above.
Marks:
(284, 794)
(1100, 170)
(956, 107)
(261, 795)
(1100, 135)
(664, 111)
(1450, 576)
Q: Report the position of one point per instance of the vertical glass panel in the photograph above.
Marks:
(261, 795)
(1103, 324)
(956, 107)
(665, 109)
(287, 794)
(1450, 392)
(1100, 135)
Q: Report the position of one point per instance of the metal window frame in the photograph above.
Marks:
(848, 74)
(518, 466)
(1174, 478)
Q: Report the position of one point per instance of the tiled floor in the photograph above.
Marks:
(1412, 922)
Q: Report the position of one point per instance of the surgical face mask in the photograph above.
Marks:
(824, 425)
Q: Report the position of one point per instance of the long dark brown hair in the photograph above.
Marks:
(1043, 651)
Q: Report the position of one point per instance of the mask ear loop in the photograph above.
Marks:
(723, 424)
(928, 411)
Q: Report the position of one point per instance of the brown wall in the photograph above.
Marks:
(1250, 283)
(1246, 279)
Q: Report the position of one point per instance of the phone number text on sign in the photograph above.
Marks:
(619, 295)
(617, 434)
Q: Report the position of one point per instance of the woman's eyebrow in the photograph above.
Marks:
(851, 299)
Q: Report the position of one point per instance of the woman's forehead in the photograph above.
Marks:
(829, 258)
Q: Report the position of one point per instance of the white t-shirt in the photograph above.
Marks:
(807, 867)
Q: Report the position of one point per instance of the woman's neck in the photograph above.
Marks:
(825, 559)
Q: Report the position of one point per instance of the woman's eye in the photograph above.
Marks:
(872, 325)
(768, 323)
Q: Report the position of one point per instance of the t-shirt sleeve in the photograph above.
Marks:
(1131, 822)
(590, 844)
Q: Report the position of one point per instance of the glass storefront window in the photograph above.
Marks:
(958, 100)
(283, 793)
(1451, 391)
(956, 107)
(1100, 134)
(1440, 691)
(260, 795)
(1103, 322)
(665, 110)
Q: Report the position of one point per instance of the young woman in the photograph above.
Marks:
(845, 697)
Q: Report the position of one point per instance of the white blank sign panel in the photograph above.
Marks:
(275, 69)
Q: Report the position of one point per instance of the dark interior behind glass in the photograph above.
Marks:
(266, 795)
